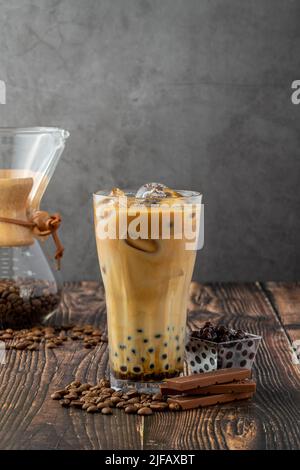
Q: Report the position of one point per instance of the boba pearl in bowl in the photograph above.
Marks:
(219, 347)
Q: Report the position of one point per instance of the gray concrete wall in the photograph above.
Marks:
(192, 93)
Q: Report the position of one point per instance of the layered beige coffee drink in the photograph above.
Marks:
(146, 257)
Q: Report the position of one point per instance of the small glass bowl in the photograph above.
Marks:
(204, 356)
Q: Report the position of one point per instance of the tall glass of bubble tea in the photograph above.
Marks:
(147, 242)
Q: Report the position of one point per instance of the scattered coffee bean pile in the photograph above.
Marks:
(25, 303)
(219, 334)
(101, 398)
(52, 337)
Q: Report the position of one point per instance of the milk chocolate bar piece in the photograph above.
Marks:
(245, 386)
(188, 403)
(220, 376)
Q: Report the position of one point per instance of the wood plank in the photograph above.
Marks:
(271, 419)
(29, 419)
(285, 297)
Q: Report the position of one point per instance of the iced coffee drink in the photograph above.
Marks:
(146, 259)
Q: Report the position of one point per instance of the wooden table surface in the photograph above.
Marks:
(29, 419)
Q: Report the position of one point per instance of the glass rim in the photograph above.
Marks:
(33, 130)
(130, 193)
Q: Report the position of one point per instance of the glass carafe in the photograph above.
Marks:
(30, 287)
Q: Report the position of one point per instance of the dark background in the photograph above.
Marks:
(191, 93)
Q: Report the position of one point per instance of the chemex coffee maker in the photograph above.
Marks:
(29, 285)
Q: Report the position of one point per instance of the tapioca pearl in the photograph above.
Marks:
(222, 352)
(212, 361)
(145, 340)
(123, 369)
(151, 366)
(245, 352)
(229, 355)
(140, 330)
(133, 351)
(194, 349)
(250, 343)
(200, 370)
(229, 365)
(203, 355)
(177, 348)
(122, 346)
(178, 359)
(169, 328)
(128, 359)
(151, 350)
(197, 359)
(143, 359)
(164, 356)
(158, 335)
(167, 367)
(187, 348)
(116, 354)
(192, 363)
(194, 372)
(136, 369)
(165, 344)
(213, 351)
(129, 338)
(206, 366)
(243, 363)
(239, 346)
(177, 338)
(251, 355)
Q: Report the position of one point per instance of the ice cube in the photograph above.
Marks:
(117, 192)
(149, 190)
(155, 191)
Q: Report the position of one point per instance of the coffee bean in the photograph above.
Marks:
(145, 411)
(130, 409)
(106, 411)
(115, 400)
(105, 396)
(174, 407)
(159, 406)
(50, 345)
(157, 397)
(76, 403)
(96, 332)
(117, 394)
(101, 405)
(138, 405)
(75, 383)
(21, 345)
(85, 406)
(109, 403)
(133, 400)
(121, 404)
(56, 396)
(7, 336)
(83, 387)
(71, 396)
(92, 409)
(132, 393)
